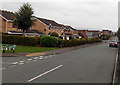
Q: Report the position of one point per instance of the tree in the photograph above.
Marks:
(118, 33)
(54, 34)
(24, 17)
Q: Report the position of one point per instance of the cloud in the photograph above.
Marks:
(79, 14)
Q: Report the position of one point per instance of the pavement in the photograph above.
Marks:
(92, 64)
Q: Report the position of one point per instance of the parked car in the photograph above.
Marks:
(113, 43)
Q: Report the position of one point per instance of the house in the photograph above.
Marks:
(93, 33)
(83, 33)
(47, 26)
(107, 32)
(41, 26)
(89, 33)
(6, 21)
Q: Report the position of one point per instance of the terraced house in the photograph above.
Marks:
(41, 27)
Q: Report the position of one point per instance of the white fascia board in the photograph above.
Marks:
(6, 19)
(41, 22)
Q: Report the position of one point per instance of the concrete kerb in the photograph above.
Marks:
(114, 80)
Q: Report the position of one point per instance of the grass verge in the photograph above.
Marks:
(30, 49)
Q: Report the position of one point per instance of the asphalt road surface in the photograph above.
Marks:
(92, 64)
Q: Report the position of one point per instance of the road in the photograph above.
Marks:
(92, 64)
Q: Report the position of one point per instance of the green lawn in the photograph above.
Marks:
(30, 49)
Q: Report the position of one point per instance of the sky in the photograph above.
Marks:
(80, 14)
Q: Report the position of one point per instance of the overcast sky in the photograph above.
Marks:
(80, 14)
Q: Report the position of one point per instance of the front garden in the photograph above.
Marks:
(44, 43)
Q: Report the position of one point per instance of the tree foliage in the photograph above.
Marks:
(24, 17)
(54, 34)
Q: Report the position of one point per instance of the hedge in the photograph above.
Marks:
(20, 40)
(76, 42)
(49, 41)
(46, 41)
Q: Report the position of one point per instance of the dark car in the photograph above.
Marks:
(113, 43)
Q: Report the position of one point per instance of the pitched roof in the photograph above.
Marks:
(7, 15)
(48, 22)
(93, 31)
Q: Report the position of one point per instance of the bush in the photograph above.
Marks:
(48, 41)
(76, 42)
(54, 34)
(105, 37)
(19, 40)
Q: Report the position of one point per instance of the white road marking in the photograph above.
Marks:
(44, 73)
(21, 61)
(40, 56)
(15, 63)
(35, 58)
(50, 55)
(29, 59)
(46, 57)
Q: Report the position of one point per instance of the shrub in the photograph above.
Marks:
(48, 41)
(19, 40)
(76, 42)
(105, 37)
(54, 34)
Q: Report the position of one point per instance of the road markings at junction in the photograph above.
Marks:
(36, 58)
(46, 57)
(29, 59)
(21, 61)
(44, 73)
(41, 56)
(15, 63)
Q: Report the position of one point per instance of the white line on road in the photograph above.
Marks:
(36, 58)
(21, 61)
(15, 63)
(46, 57)
(41, 56)
(45, 73)
(29, 59)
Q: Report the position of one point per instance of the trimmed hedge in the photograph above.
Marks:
(20, 40)
(49, 41)
(46, 41)
(76, 42)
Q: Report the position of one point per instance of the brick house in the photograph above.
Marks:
(41, 26)
(106, 32)
(48, 26)
(83, 33)
(6, 21)
(89, 33)
(93, 33)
